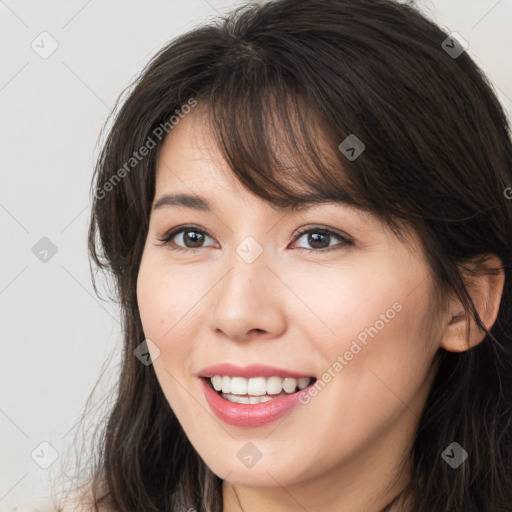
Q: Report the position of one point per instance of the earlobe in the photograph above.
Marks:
(484, 280)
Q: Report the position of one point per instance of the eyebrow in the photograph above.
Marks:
(189, 201)
(202, 204)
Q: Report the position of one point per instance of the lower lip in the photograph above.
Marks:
(250, 415)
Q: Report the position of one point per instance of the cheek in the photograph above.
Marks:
(164, 300)
(387, 325)
(362, 300)
(164, 297)
(377, 372)
(381, 334)
(157, 303)
(171, 306)
(152, 301)
(390, 355)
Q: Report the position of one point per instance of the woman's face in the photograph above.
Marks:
(248, 289)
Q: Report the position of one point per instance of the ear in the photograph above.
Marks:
(484, 281)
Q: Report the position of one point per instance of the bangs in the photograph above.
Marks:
(280, 148)
(274, 142)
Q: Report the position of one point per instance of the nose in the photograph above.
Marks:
(249, 302)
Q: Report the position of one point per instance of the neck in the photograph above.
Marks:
(368, 480)
(242, 499)
(369, 487)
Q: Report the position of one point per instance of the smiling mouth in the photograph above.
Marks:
(256, 390)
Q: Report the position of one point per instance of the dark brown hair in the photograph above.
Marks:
(437, 160)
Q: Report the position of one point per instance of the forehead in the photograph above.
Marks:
(298, 147)
(189, 156)
(192, 174)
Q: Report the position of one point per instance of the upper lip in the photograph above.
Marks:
(252, 370)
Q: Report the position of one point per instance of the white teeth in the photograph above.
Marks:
(239, 386)
(249, 399)
(241, 399)
(257, 386)
(226, 384)
(290, 384)
(216, 382)
(303, 383)
(274, 385)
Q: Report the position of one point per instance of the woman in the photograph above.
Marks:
(304, 211)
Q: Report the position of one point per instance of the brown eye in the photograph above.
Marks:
(187, 238)
(320, 239)
(195, 238)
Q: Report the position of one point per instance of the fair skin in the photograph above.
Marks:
(296, 310)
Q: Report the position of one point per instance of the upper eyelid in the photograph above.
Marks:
(319, 227)
(170, 234)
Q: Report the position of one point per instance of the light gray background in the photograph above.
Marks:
(56, 334)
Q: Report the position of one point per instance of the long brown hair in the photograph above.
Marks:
(437, 159)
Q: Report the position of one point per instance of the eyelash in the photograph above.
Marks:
(167, 237)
